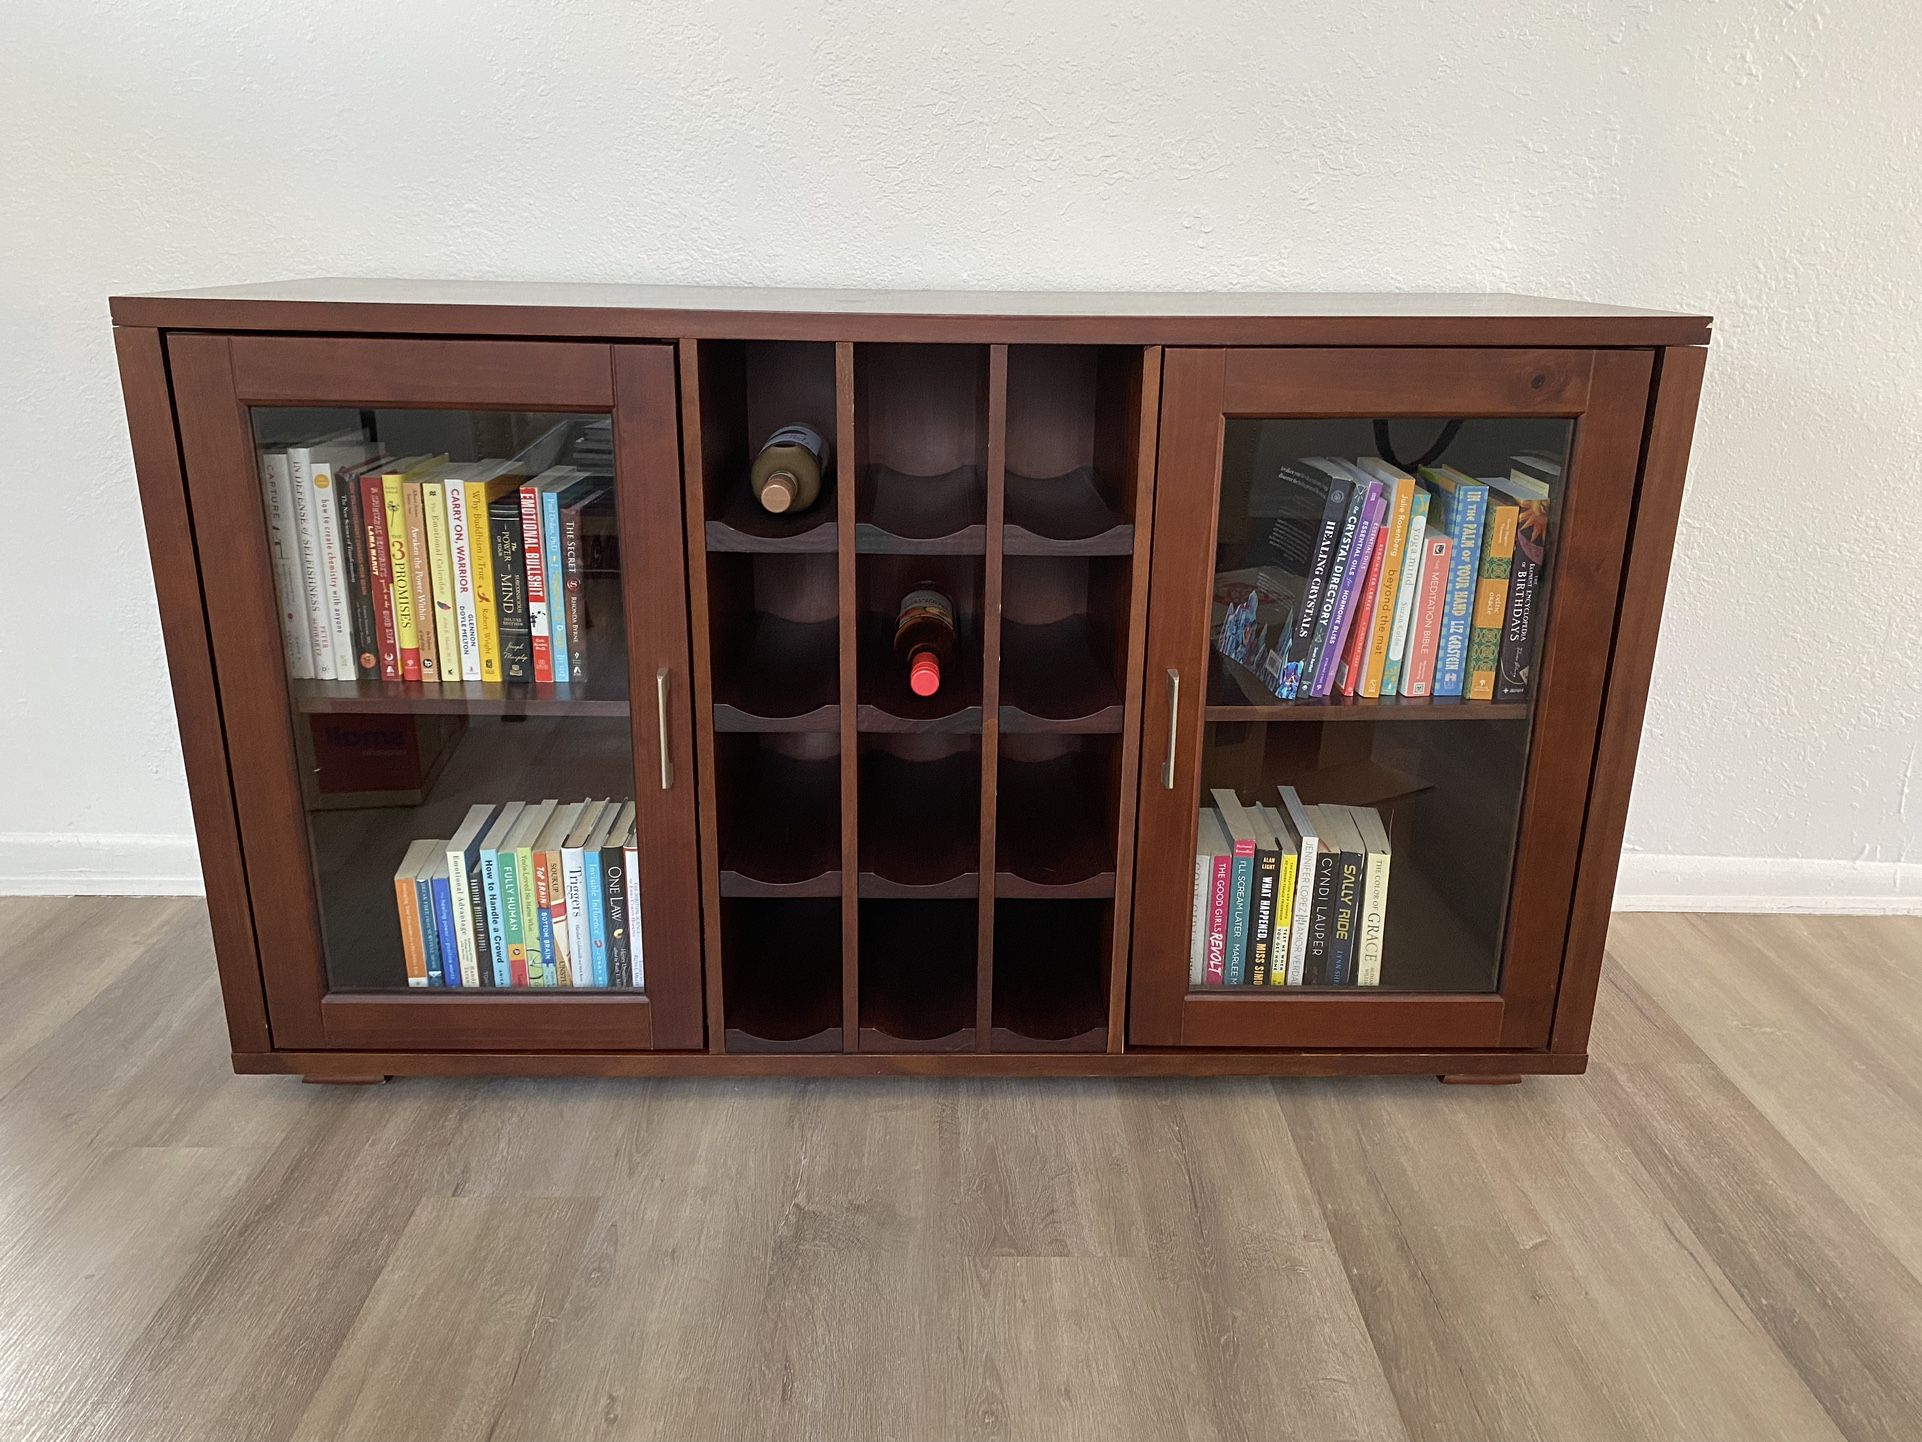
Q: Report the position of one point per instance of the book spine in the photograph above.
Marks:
(1282, 948)
(464, 947)
(614, 894)
(539, 636)
(1297, 669)
(429, 933)
(406, 623)
(1515, 661)
(360, 585)
(1341, 937)
(1464, 530)
(1241, 894)
(481, 550)
(1360, 549)
(466, 612)
(556, 584)
(1405, 590)
(320, 635)
(564, 974)
(1220, 869)
(1262, 933)
(1304, 905)
(580, 949)
(1326, 603)
(283, 543)
(636, 967)
(484, 974)
(1374, 920)
(513, 927)
(530, 918)
(576, 599)
(1321, 918)
(421, 568)
(453, 970)
(1491, 602)
(338, 607)
(494, 894)
(1388, 589)
(544, 921)
(1348, 675)
(596, 915)
(407, 911)
(1198, 926)
(1418, 672)
(510, 590)
(440, 580)
(380, 571)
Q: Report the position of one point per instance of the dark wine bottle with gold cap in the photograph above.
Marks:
(787, 472)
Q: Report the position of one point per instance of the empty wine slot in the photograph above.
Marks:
(1073, 457)
(1064, 643)
(779, 804)
(917, 975)
(775, 632)
(1054, 828)
(1051, 975)
(920, 816)
(921, 441)
(781, 988)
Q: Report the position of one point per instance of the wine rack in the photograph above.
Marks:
(961, 856)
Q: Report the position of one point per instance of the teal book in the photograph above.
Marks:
(1240, 827)
(494, 882)
(1405, 596)
(1461, 504)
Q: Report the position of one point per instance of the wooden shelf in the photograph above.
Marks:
(1049, 988)
(780, 676)
(885, 704)
(781, 837)
(917, 976)
(1235, 694)
(782, 975)
(1063, 516)
(743, 525)
(920, 826)
(1053, 678)
(1051, 839)
(900, 514)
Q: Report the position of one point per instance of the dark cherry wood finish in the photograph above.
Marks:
(1031, 453)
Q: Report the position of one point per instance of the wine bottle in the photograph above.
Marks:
(924, 638)
(787, 472)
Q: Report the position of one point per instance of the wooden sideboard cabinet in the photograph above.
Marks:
(522, 739)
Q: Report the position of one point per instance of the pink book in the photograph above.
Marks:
(1348, 674)
(1218, 920)
(1431, 593)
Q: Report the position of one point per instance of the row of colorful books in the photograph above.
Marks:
(1372, 582)
(532, 894)
(1288, 894)
(413, 568)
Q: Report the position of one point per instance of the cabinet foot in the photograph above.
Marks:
(344, 1081)
(1468, 1079)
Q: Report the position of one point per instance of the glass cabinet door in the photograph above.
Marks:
(467, 702)
(1378, 694)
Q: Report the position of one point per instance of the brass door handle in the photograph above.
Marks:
(660, 702)
(1174, 728)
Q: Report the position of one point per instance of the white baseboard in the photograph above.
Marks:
(1652, 882)
(66, 864)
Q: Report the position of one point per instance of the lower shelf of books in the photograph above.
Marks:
(917, 975)
(1051, 975)
(781, 974)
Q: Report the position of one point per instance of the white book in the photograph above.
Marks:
(464, 534)
(1374, 895)
(574, 888)
(1284, 905)
(552, 839)
(462, 854)
(632, 856)
(283, 545)
(1198, 924)
(325, 465)
(320, 634)
(1309, 836)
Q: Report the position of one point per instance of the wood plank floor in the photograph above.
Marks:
(1714, 1234)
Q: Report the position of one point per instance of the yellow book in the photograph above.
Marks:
(440, 566)
(1290, 874)
(393, 490)
(481, 553)
(1401, 503)
(1491, 599)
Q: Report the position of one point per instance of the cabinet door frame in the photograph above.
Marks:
(216, 379)
(1606, 395)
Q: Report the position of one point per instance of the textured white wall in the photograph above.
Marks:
(1758, 159)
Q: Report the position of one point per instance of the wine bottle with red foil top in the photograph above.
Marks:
(924, 638)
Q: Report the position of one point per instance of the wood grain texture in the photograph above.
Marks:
(1712, 1235)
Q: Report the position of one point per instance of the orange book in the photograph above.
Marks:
(1355, 653)
(407, 903)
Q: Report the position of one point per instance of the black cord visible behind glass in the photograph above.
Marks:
(1441, 443)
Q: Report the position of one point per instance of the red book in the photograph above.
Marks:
(1424, 636)
(1218, 919)
(535, 564)
(380, 570)
(1348, 674)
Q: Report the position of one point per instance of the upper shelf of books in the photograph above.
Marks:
(445, 560)
(1395, 569)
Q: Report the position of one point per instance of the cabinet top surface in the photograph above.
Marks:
(615, 311)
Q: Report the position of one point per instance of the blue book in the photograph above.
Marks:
(596, 911)
(429, 932)
(1239, 827)
(449, 947)
(556, 586)
(1462, 504)
(490, 865)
